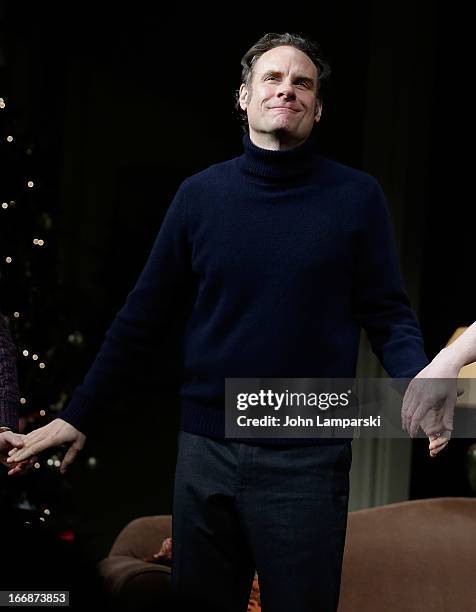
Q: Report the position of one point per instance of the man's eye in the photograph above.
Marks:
(271, 78)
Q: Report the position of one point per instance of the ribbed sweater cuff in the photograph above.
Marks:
(8, 414)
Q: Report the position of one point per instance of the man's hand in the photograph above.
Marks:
(429, 402)
(8, 441)
(56, 433)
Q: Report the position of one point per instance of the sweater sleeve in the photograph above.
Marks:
(9, 394)
(381, 305)
(142, 348)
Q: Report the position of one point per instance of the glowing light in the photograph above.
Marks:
(92, 461)
(42, 412)
(35, 240)
(42, 365)
(26, 353)
(34, 356)
(4, 205)
(42, 519)
(22, 400)
(41, 242)
(9, 138)
(37, 466)
(30, 184)
(57, 463)
(8, 259)
(46, 511)
(50, 462)
(16, 314)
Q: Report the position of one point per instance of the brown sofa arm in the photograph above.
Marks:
(131, 583)
(129, 579)
(142, 536)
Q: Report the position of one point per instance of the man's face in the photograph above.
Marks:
(282, 102)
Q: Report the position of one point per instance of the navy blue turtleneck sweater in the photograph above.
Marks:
(266, 265)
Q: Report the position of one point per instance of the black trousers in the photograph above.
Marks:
(279, 510)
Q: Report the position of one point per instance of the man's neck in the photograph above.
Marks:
(274, 141)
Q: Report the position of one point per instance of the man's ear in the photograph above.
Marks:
(244, 96)
(317, 115)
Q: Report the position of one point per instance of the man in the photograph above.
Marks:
(266, 265)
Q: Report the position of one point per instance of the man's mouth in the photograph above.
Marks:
(286, 108)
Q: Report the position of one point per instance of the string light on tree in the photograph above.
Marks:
(35, 299)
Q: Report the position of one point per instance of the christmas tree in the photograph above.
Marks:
(36, 305)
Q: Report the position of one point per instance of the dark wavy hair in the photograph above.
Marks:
(270, 41)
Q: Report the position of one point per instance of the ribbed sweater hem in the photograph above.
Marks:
(210, 422)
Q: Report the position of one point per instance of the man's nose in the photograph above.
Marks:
(286, 90)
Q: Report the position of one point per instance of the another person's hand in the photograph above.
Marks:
(56, 433)
(437, 434)
(429, 402)
(8, 441)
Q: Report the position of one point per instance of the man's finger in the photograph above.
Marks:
(448, 414)
(417, 417)
(68, 459)
(404, 408)
(407, 417)
(411, 405)
(29, 450)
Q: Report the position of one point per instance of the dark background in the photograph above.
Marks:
(124, 103)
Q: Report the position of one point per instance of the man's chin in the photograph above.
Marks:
(286, 134)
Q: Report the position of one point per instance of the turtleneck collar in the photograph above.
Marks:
(284, 164)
